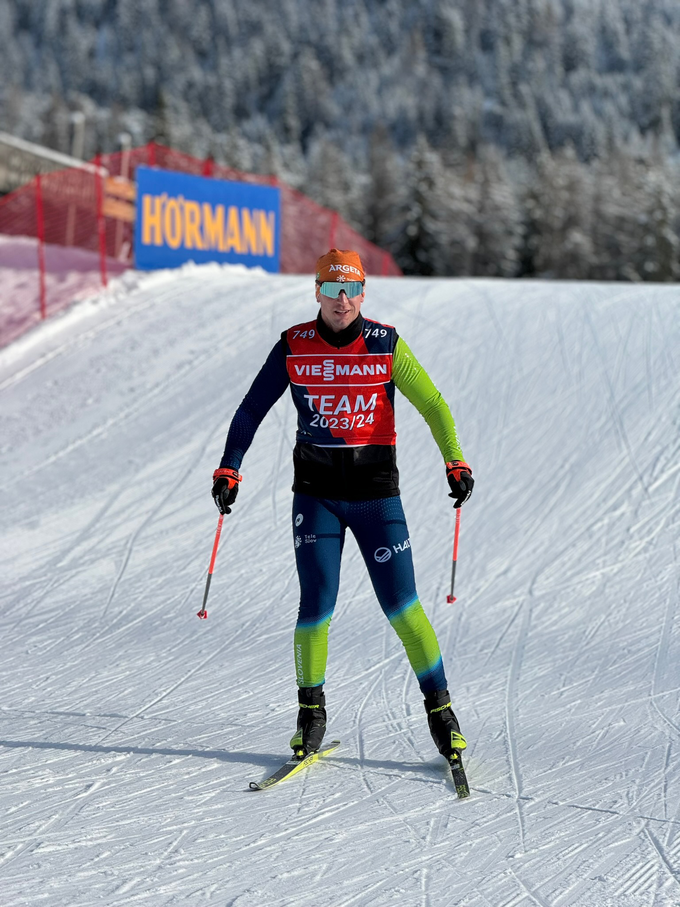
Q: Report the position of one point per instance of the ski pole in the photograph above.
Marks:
(203, 614)
(451, 597)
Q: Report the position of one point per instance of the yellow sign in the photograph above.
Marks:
(180, 222)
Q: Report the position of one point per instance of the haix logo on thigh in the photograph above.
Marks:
(384, 554)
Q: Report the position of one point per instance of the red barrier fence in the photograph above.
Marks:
(67, 232)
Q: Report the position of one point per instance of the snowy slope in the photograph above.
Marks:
(71, 274)
(130, 729)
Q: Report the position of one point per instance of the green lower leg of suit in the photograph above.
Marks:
(411, 626)
(311, 653)
(420, 642)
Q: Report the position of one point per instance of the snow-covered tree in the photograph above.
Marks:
(497, 219)
(301, 88)
(559, 218)
(424, 245)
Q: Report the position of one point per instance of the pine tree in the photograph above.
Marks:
(498, 220)
(661, 222)
(334, 183)
(385, 196)
(559, 219)
(424, 245)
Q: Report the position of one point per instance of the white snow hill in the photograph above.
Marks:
(130, 729)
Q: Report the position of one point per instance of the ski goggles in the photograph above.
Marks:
(333, 289)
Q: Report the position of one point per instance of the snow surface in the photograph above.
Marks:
(130, 729)
(70, 275)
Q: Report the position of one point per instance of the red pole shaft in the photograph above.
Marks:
(456, 535)
(451, 597)
(216, 543)
(203, 614)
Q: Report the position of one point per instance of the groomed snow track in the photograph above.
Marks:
(130, 729)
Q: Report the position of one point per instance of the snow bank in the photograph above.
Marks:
(71, 275)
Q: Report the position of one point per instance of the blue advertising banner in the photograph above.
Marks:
(193, 218)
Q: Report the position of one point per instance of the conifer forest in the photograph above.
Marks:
(501, 138)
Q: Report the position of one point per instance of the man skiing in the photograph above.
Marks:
(342, 370)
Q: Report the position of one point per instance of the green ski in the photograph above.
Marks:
(293, 766)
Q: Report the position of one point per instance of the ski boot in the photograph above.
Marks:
(443, 724)
(447, 737)
(311, 723)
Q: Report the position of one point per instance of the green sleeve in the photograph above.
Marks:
(416, 385)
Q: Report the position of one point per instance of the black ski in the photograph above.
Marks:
(458, 775)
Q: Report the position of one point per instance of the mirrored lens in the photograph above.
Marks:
(333, 289)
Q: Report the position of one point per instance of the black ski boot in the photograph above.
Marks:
(443, 724)
(311, 723)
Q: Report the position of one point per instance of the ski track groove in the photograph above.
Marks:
(265, 843)
(580, 806)
(80, 340)
(160, 388)
(128, 885)
(120, 418)
(661, 659)
(360, 734)
(393, 720)
(510, 707)
(62, 558)
(154, 512)
(528, 892)
(57, 821)
(199, 667)
(615, 408)
(425, 900)
(663, 862)
(571, 855)
(613, 855)
(123, 566)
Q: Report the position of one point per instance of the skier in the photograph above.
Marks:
(342, 370)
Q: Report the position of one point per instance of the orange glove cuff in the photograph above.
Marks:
(455, 467)
(231, 475)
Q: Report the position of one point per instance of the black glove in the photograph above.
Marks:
(225, 488)
(460, 479)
